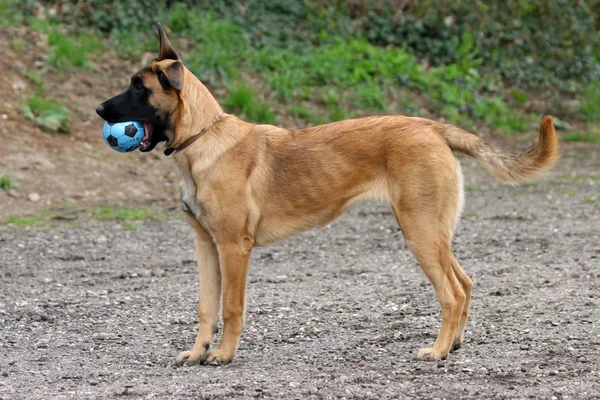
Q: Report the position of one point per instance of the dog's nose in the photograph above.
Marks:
(100, 109)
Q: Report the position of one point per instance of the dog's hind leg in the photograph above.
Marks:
(431, 247)
(426, 211)
(467, 286)
(209, 296)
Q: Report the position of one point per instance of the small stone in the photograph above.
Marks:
(13, 193)
(93, 382)
(5, 373)
(34, 197)
(313, 390)
(524, 346)
(101, 239)
(467, 370)
(553, 373)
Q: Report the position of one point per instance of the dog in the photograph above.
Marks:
(247, 185)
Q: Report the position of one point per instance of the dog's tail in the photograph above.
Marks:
(508, 167)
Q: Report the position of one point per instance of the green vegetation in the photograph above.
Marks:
(47, 114)
(37, 77)
(126, 214)
(590, 102)
(582, 137)
(241, 99)
(324, 61)
(7, 183)
(41, 219)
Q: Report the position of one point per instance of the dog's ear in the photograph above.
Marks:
(171, 76)
(166, 51)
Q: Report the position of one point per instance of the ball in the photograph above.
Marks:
(123, 136)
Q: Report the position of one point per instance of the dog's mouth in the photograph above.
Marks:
(147, 140)
(154, 133)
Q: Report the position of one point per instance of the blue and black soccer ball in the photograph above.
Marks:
(123, 136)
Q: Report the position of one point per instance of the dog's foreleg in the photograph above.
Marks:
(209, 297)
(233, 260)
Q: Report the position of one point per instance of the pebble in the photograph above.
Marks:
(34, 197)
(93, 382)
(101, 239)
(524, 347)
(4, 374)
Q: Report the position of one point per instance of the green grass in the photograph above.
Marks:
(126, 214)
(41, 219)
(469, 214)
(592, 199)
(67, 51)
(7, 183)
(241, 99)
(47, 113)
(582, 137)
(590, 102)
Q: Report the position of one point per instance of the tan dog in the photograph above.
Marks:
(248, 185)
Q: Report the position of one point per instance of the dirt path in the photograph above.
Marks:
(340, 312)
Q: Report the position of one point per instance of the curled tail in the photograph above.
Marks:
(508, 167)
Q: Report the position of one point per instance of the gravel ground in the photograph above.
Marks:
(96, 311)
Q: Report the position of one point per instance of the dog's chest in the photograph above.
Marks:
(188, 192)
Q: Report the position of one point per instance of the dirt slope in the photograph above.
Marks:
(78, 168)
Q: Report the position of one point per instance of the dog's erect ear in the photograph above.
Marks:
(166, 51)
(171, 76)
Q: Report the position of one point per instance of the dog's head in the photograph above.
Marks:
(153, 97)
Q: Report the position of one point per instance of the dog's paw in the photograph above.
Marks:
(431, 354)
(219, 357)
(191, 357)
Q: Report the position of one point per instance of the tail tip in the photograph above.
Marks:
(547, 121)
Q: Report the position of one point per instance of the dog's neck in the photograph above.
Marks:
(198, 110)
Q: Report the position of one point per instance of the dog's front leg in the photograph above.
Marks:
(233, 260)
(209, 276)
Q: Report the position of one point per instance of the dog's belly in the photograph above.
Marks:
(283, 222)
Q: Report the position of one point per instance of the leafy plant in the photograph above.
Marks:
(7, 183)
(47, 114)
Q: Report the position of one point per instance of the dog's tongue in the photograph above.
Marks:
(147, 134)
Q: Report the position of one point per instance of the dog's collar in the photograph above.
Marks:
(189, 141)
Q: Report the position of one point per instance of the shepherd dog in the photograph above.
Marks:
(247, 185)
